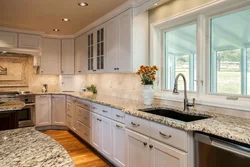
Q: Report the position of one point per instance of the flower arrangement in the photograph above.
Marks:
(147, 74)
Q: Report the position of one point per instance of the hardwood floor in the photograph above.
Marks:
(80, 153)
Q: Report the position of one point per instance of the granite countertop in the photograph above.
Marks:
(11, 105)
(230, 127)
(30, 148)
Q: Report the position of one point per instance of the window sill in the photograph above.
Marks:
(207, 100)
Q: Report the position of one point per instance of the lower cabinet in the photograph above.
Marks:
(43, 110)
(8, 120)
(118, 140)
(106, 137)
(147, 152)
(58, 110)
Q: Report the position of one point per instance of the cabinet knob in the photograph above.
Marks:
(62, 71)
(79, 71)
(117, 68)
(145, 144)
(151, 146)
(41, 71)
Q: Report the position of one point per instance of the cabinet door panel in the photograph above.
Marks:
(106, 137)
(162, 155)
(43, 110)
(68, 57)
(8, 39)
(58, 110)
(29, 41)
(80, 54)
(125, 41)
(96, 131)
(112, 45)
(137, 149)
(51, 56)
(118, 140)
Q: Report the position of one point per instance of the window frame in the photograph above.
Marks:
(164, 79)
(201, 14)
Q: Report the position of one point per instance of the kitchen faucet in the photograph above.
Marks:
(175, 91)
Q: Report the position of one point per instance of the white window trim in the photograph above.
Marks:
(200, 15)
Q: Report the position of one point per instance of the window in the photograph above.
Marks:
(180, 56)
(229, 53)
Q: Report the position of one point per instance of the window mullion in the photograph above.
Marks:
(213, 74)
(191, 72)
(243, 67)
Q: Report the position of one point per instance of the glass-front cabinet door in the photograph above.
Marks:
(91, 52)
(96, 50)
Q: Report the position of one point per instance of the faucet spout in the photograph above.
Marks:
(175, 91)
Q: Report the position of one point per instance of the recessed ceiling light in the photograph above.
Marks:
(66, 19)
(82, 4)
(156, 4)
(56, 30)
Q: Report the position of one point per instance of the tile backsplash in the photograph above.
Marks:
(35, 81)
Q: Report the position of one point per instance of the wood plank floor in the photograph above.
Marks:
(81, 155)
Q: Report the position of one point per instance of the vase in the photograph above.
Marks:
(148, 94)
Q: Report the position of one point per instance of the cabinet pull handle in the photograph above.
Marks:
(85, 117)
(164, 135)
(145, 144)
(94, 108)
(94, 70)
(118, 126)
(134, 124)
(104, 111)
(151, 146)
(85, 134)
(79, 71)
(118, 116)
(85, 105)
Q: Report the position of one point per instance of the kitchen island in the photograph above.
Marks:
(28, 147)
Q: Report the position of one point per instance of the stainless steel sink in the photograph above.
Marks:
(175, 114)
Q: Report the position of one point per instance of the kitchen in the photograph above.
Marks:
(74, 83)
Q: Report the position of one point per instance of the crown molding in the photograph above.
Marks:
(21, 31)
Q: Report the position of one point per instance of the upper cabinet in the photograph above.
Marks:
(29, 41)
(81, 54)
(127, 42)
(68, 55)
(96, 50)
(51, 56)
(8, 39)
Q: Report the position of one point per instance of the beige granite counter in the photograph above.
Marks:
(11, 105)
(234, 128)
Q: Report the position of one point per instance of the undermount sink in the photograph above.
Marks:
(175, 114)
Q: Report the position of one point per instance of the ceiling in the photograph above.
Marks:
(45, 15)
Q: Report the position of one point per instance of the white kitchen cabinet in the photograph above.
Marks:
(58, 110)
(68, 56)
(51, 56)
(8, 39)
(81, 54)
(125, 41)
(118, 140)
(28, 41)
(96, 50)
(96, 131)
(112, 45)
(106, 137)
(137, 149)
(162, 155)
(43, 110)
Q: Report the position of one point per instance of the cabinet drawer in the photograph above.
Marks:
(83, 131)
(174, 137)
(118, 115)
(137, 124)
(84, 104)
(83, 116)
(71, 99)
(106, 111)
(96, 108)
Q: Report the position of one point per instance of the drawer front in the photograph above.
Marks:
(137, 124)
(118, 115)
(71, 99)
(86, 118)
(84, 104)
(174, 137)
(83, 131)
(106, 111)
(97, 108)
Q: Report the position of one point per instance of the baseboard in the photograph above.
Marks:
(51, 127)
